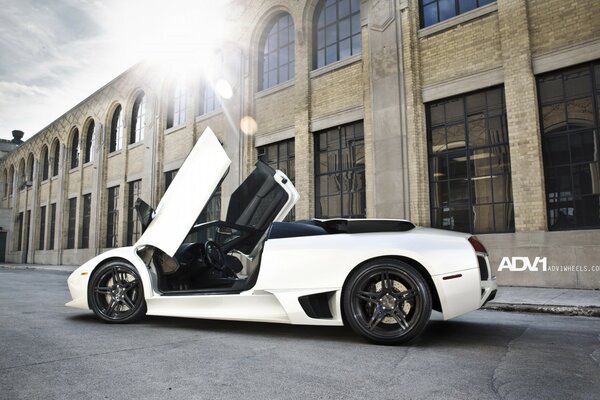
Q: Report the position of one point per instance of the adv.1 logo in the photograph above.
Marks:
(523, 264)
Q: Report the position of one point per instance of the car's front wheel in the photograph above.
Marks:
(116, 293)
(387, 301)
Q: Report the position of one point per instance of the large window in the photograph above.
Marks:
(134, 227)
(116, 130)
(434, 11)
(278, 52)
(280, 156)
(340, 172)
(212, 210)
(112, 217)
(85, 221)
(42, 233)
(19, 230)
(72, 222)
(337, 33)
(11, 180)
(75, 149)
(469, 163)
(570, 124)
(45, 163)
(52, 230)
(177, 105)
(89, 143)
(137, 119)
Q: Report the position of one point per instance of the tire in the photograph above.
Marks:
(387, 301)
(116, 294)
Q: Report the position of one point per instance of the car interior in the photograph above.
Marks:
(221, 256)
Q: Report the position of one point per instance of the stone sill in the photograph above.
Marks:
(175, 129)
(274, 89)
(336, 65)
(209, 115)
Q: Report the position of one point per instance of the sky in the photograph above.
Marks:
(54, 54)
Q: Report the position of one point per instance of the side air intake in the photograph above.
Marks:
(316, 305)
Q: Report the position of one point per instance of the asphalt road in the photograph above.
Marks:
(48, 351)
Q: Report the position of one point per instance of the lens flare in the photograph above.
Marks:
(248, 125)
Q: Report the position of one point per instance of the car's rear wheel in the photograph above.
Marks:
(116, 293)
(387, 301)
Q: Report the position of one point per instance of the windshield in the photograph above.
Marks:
(228, 236)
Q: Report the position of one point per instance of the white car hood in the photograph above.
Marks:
(187, 195)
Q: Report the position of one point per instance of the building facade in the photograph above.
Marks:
(471, 115)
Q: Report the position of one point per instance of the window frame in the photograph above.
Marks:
(321, 9)
(288, 159)
(42, 234)
(274, 28)
(71, 222)
(594, 93)
(457, 9)
(112, 217)
(86, 217)
(469, 153)
(75, 150)
(134, 226)
(340, 172)
(52, 227)
(116, 130)
(138, 119)
(89, 143)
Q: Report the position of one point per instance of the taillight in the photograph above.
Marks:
(477, 246)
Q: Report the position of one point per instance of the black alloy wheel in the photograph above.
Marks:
(387, 301)
(116, 293)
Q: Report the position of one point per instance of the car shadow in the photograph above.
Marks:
(438, 333)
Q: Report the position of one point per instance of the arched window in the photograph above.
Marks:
(75, 149)
(278, 52)
(336, 32)
(177, 105)
(5, 181)
(55, 157)
(11, 179)
(116, 130)
(30, 161)
(89, 143)
(136, 133)
(45, 163)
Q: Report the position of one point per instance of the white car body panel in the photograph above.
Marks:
(197, 179)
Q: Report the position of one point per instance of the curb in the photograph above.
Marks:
(67, 270)
(585, 311)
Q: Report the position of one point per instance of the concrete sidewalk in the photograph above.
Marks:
(509, 298)
(547, 300)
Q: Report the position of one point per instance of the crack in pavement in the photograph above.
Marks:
(495, 386)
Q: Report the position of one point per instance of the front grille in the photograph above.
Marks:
(483, 268)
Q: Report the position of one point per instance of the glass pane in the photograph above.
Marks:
(578, 83)
(459, 191)
(343, 8)
(554, 118)
(551, 89)
(454, 110)
(583, 147)
(436, 218)
(457, 166)
(430, 15)
(345, 48)
(467, 5)
(356, 24)
(439, 194)
(356, 44)
(447, 9)
(483, 218)
(481, 189)
(436, 114)
(283, 56)
(556, 150)
(324, 205)
(495, 130)
(494, 98)
(323, 185)
(562, 215)
(504, 217)
(330, 14)
(330, 35)
(335, 206)
(502, 188)
(333, 162)
(354, 6)
(476, 128)
(480, 162)
(438, 139)
(476, 104)
(585, 179)
(331, 54)
(500, 160)
(320, 38)
(459, 218)
(344, 28)
(580, 113)
(587, 211)
(558, 181)
(439, 168)
(456, 137)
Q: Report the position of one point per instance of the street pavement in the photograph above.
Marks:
(48, 351)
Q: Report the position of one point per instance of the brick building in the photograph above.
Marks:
(472, 115)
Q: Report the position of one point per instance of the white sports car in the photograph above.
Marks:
(380, 277)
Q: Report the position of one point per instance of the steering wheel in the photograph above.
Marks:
(214, 255)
